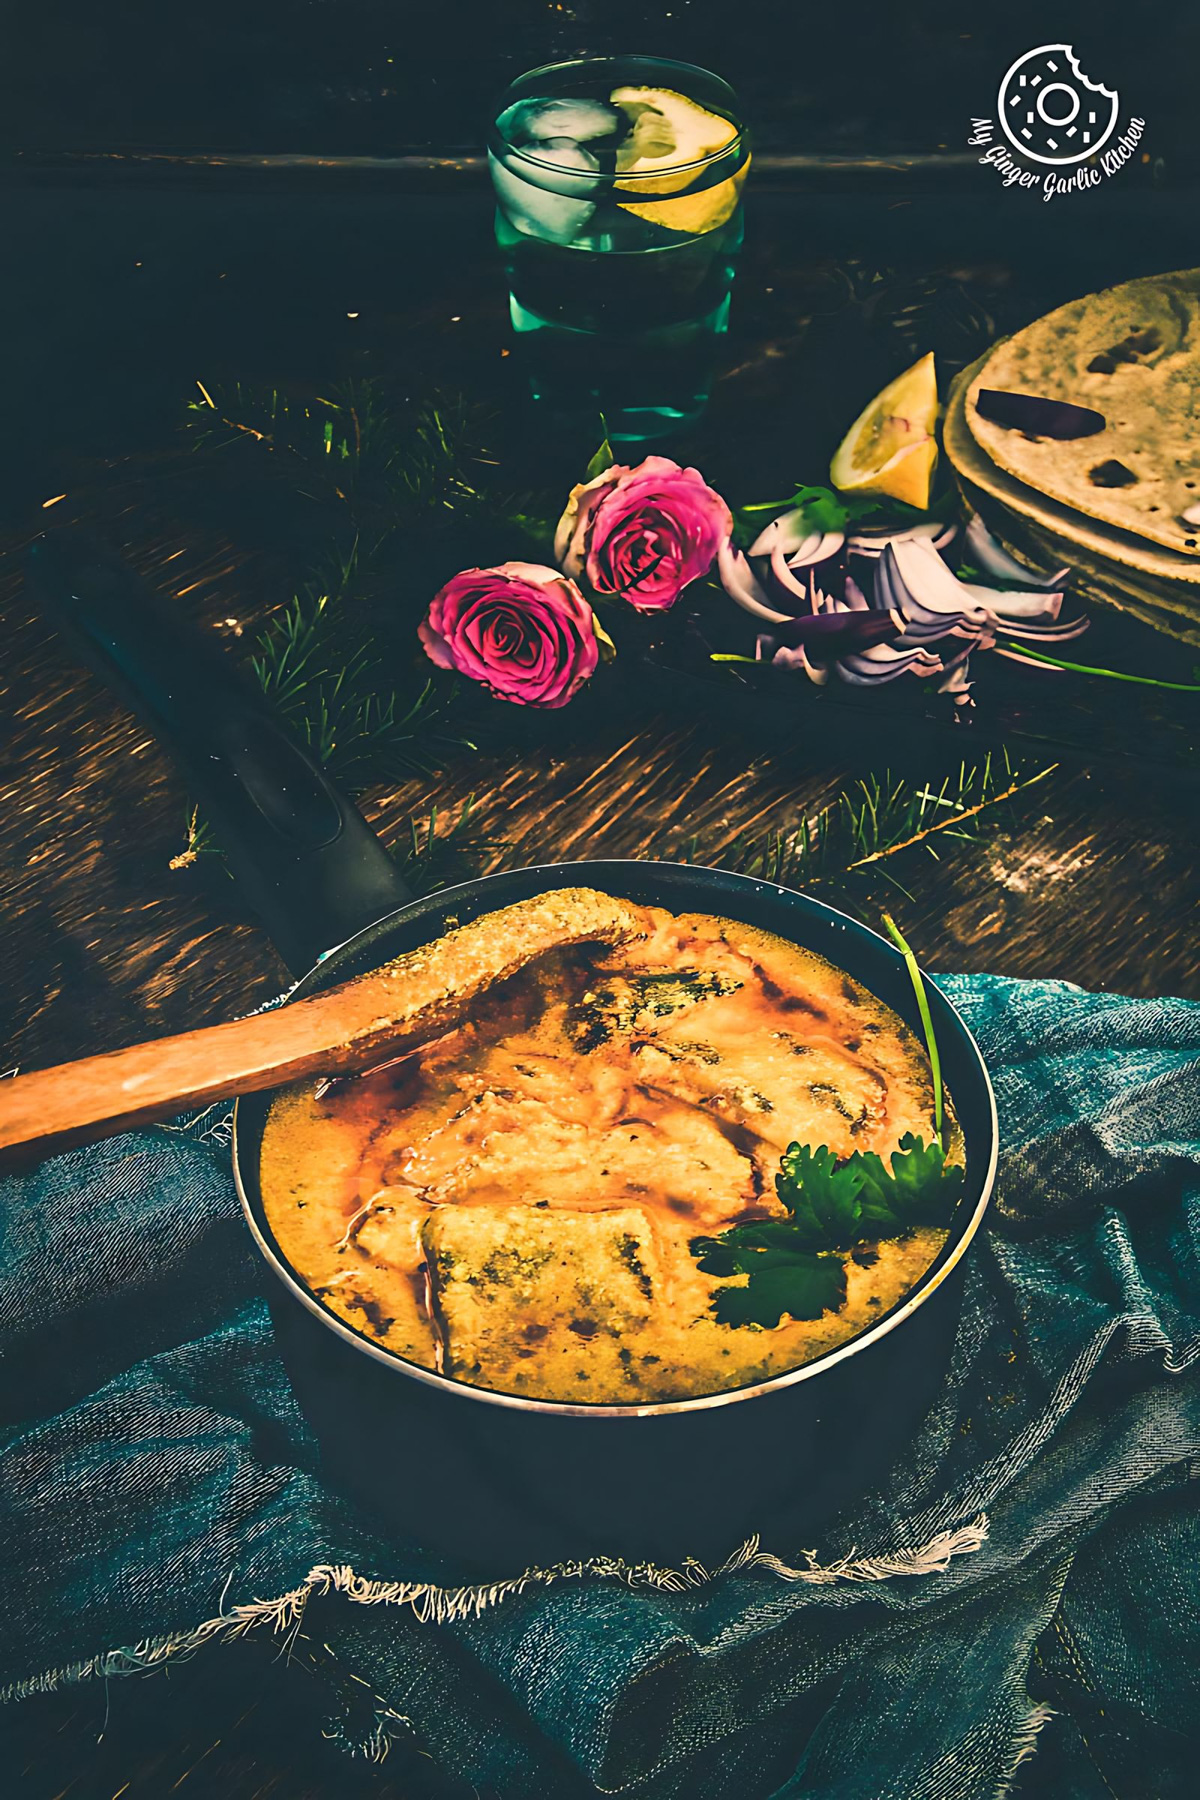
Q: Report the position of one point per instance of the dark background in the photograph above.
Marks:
(385, 76)
(214, 188)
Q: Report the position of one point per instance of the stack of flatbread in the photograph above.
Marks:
(1121, 507)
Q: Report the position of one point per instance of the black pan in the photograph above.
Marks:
(497, 1480)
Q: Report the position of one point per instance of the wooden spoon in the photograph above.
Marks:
(399, 1006)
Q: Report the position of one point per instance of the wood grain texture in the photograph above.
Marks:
(105, 944)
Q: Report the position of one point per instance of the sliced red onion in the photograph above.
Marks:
(890, 594)
(1046, 634)
(738, 580)
(912, 579)
(1004, 601)
(918, 575)
(819, 600)
(790, 534)
(839, 633)
(818, 548)
(1029, 615)
(988, 554)
(957, 682)
(784, 584)
(780, 594)
(1040, 417)
(884, 662)
(785, 657)
(912, 600)
(873, 540)
(960, 657)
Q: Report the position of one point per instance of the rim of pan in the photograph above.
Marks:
(942, 1266)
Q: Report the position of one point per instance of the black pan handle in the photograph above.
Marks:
(303, 856)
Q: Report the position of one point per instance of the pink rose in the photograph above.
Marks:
(524, 631)
(642, 533)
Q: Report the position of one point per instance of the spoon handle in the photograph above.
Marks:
(396, 1008)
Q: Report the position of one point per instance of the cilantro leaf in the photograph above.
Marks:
(822, 1197)
(831, 1205)
(727, 1254)
(783, 1282)
(881, 509)
(918, 1189)
(834, 1205)
(823, 509)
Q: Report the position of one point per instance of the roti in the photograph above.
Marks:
(1094, 582)
(1075, 536)
(1133, 353)
(1159, 587)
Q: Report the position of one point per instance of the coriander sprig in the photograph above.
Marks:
(797, 1265)
(918, 982)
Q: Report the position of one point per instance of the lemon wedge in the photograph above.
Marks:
(890, 448)
(670, 133)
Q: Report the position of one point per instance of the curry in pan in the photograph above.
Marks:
(679, 1158)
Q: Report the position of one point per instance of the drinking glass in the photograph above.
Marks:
(619, 213)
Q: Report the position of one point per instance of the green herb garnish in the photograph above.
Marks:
(918, 982)
(784, 1281)
(823, 509)
(793, 1264)
(918, 1188)
(1056, 662)
(823, 1196)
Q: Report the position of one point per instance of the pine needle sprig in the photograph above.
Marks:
(389, 466)
(874, 820)
(336, 695)
(198, 842)
(302, 426)
(865, 825)
(430, 858)
(399, 460)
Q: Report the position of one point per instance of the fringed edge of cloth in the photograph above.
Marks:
(445, 1605)
(1024, 1745)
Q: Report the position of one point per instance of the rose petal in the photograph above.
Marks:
(522, 630)
(643, 534)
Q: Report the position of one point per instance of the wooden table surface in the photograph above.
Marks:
(1088, 877)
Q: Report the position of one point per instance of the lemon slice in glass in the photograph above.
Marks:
(890, 448)
(670, 133)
